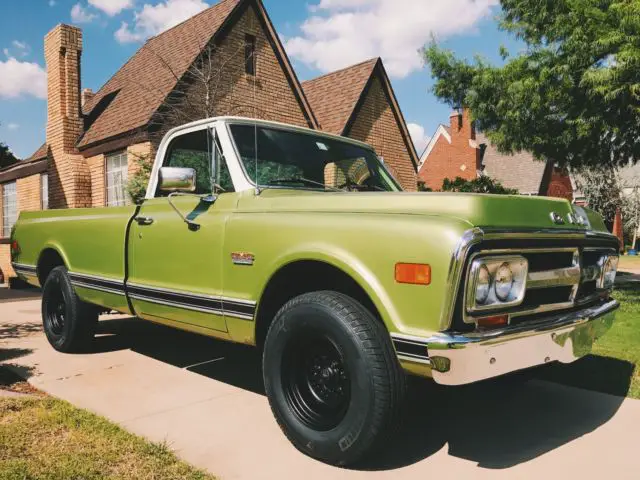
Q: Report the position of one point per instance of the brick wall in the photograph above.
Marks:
(28, 190)
(456, 159)
(560, 185)
(274, 97)
(69, 178)
(376, 125)
(5, 262)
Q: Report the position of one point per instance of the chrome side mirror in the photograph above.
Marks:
(174, 179)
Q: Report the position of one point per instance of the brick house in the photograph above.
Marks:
(458, 150)
(92, 140)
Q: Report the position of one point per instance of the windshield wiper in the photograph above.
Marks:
(304, 181)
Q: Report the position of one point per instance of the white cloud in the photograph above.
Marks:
(112, 7)
(12, 126)
(154, 19)
(339, 33)
(420, 140)
(79, 14)
(22, 78)
(52, 3)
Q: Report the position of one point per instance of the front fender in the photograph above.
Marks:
(364, 246)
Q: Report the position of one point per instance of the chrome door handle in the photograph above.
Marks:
(144, 220)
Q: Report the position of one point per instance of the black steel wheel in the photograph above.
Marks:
(68, 322)
(316, 382)
(332, 377)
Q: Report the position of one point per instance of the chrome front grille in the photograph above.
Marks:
(558, 278)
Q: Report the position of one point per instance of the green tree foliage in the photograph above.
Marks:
(137, 183)
(572, 96)
(6, 156)
(482, 184)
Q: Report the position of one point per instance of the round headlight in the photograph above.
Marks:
(503, 281)
(483, 284)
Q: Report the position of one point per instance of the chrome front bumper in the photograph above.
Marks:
(456, 359)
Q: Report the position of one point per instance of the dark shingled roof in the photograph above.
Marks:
(130, 98)
(334, 96)
(520, 171)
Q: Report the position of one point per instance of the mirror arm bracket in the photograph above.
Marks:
(193, 226)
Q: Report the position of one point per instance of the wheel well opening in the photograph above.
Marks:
(303, 277)
(49, 259)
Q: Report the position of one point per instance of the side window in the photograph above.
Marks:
(193, 150)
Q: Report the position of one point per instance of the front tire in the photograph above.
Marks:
(332, 377)
(69, 323)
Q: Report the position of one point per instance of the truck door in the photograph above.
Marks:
(175, 268)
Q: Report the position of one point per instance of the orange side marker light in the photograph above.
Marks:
(413, 273)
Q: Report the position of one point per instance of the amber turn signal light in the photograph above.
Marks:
(414, 273)
(493, 321)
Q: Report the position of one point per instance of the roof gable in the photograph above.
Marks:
(334, 96)
(336, 99)
(128, 101)
(442, 131)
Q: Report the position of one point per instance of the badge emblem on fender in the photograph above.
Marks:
(243, 258)
(556, 218)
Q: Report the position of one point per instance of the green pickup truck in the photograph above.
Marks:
(303, 244)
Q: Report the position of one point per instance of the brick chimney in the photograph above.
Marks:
(69, 181)
(87, 95)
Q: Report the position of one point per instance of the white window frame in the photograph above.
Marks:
(44, 191)
(9, 200)
(116, 174)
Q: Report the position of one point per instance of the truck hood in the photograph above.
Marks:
(501, 211)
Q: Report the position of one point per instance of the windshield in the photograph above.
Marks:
(292, 159)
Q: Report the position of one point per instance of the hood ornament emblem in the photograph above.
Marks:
(556, 218)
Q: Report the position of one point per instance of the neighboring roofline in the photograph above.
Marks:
(395, 108)
(440, 131)
(22, 169)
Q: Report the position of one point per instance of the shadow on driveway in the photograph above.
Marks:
(497, 424)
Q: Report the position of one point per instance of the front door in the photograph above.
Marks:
(175, 269)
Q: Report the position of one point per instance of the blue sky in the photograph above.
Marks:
(319, 35)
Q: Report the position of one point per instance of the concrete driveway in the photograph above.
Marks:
(205, 399)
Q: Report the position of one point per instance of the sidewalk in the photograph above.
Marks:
(205, 399)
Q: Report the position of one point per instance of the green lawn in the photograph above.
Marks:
(614, 366)
(45, 438)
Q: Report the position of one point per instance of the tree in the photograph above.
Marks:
(572, 96)
(482, 184)
(605, 192)
(139, 180)
(6, 156)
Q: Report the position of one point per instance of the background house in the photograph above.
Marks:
(93, 140)
(458, 150)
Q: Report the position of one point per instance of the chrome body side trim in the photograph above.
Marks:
(24, 270)
(465, 358)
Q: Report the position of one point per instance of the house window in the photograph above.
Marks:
(250, 54)
(9, 208)
(44, 191)
(117, 170)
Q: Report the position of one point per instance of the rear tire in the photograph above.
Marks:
(332, 377)
(69, 323)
